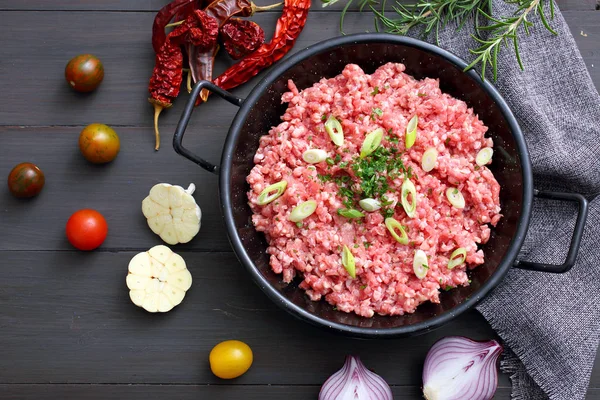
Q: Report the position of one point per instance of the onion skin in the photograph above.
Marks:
(458, 368)
(355, 381)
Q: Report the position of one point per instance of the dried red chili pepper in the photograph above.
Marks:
(241, 37)
(164, 16)
(289, 26)
(199, 29)
(202, 62)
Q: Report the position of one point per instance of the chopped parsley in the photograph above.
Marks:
(337, 158)
(356, 245)
(425, 266)
(422, 94)
(323, 117)
(324, 178)
(350, 213)
(329, 161)
(448, 287)
(378, 111)
(363, 287)
(447, 141)
(309, 138)
(477, 167)
(367, 244)
(393, 139)
(388, 212)
(299, 224)
(343, 164)
(375, 91)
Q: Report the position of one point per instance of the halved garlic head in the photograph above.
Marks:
(158, 279)
(172, 213)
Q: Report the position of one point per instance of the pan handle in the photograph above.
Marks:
(185, 118)
(575, 240)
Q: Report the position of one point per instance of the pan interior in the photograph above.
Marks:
(266, 113)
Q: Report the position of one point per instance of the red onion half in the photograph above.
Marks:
(355, 382)
(458, 368)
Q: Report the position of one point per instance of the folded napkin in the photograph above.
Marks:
(549, 322)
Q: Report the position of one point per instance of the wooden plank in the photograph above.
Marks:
(116, 189)
(67, 318)
(154, 5)
(40, 96)
(192, 392)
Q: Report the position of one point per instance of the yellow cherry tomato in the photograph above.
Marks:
(230, 359)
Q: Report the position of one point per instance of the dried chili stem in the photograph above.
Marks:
(157, 110)
(172, 24)
(189, 81)
(256, 8)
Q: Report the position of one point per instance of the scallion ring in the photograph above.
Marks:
(371, 142)
(348, 262)
(455, 198)
(410, 207)
(303, 210)
(429, 159)
(271, 192)
(420, 264)
(394, 225)
(457, 257)
(484, 156)
(335, 131)
(411, 132)
(313, 156)
(369, 205)
(350, 213)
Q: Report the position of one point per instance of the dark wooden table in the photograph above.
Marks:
(67, 327)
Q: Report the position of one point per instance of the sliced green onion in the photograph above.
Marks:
(303, 210)
(348, 262)
(484, 156)
(411, 131)
(271, 192)
(408, 188)
(420, 264)
(457, 257)
(371, 142)
(369, 205)
(429, 159)
(392, 225)
(313, 156)
(335, 131)
(455, 198)
(350, 213)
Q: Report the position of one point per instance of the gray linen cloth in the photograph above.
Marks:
(550, 322)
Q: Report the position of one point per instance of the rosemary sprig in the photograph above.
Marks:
(433, 15)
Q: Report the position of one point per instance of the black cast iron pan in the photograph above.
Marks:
(262, 109)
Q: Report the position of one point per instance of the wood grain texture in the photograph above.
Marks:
(191, 392)
(154, 5)
(116, 189)
(67, 318)
(40, 96)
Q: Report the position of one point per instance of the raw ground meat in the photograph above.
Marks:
(385, 282)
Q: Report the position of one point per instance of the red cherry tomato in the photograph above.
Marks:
(86, 229)
(26, 180)
(84, 72)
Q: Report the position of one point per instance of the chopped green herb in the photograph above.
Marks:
(386, 87)
(469, 281)
(447, 141)
(334, 308)
(448, 287)
(343, 164)
(375, 91)
(363, 287)
(324, 178)
(337, 158)
(411, 244)
(276, 218)
(309, 138)
(425, 266)
(350, 213)
(339, 248)
(323, 117)
(477, 167)
(367, 244)
(356, 245)
(441, 281)
(388, 212)
(299, 224)
(455, 191)
(393, 139)
(378, 111)
(422, 94)
(329, 161)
